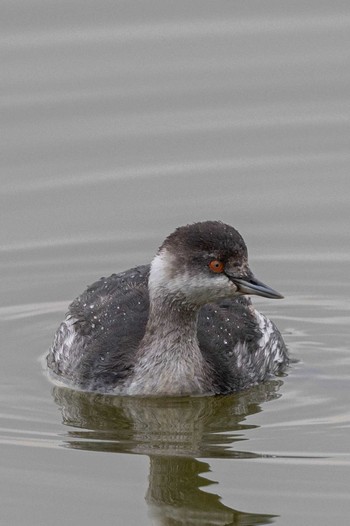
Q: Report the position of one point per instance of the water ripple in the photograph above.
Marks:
(17, 312)
(173, 169)
(185, 30)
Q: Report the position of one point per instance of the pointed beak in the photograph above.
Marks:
(251, 285)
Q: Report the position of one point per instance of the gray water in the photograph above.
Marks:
(121, 121)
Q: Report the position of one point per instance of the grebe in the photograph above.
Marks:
(180, 326)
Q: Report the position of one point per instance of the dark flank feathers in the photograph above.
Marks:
(105, 324)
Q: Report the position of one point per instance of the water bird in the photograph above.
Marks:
(182, 325)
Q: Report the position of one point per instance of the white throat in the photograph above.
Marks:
(191, 287)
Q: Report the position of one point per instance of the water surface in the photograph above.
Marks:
(122, 121)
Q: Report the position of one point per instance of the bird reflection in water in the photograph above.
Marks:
(174, 433)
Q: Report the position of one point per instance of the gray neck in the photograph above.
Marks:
(169, 360)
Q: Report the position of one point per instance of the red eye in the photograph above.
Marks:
(216, 265)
